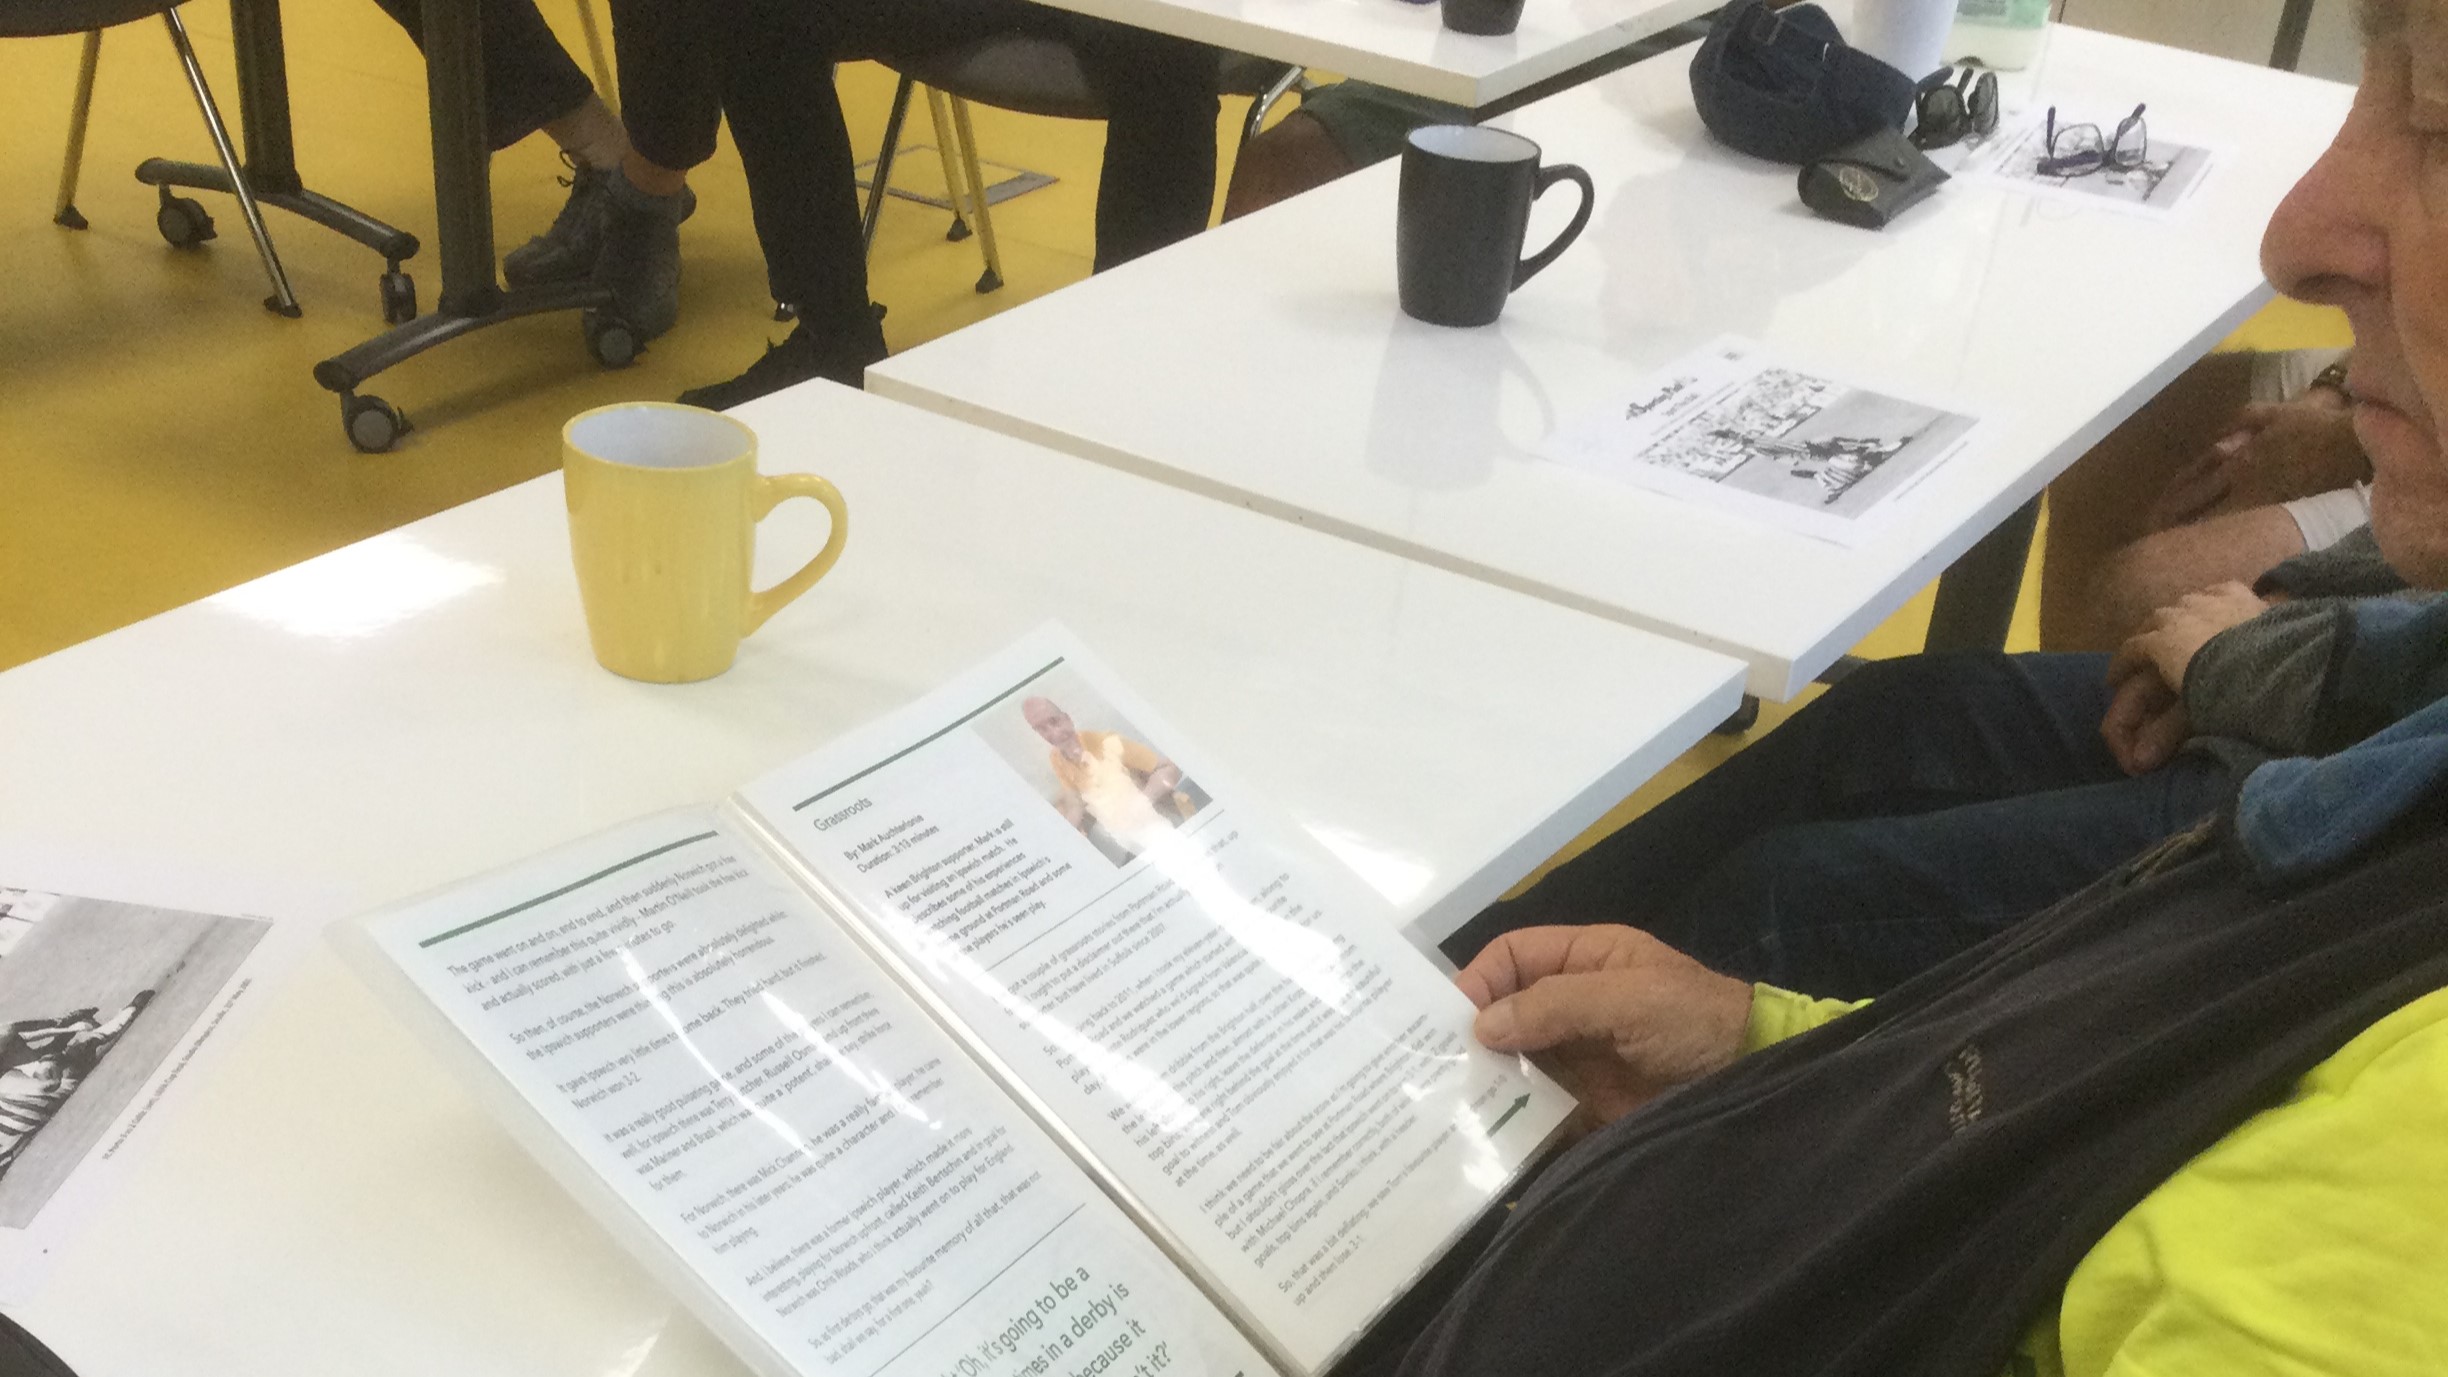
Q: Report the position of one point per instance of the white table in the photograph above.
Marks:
(1407, 46)
(1266, 363)
(422, 706)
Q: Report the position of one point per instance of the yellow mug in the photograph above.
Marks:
(663, 506)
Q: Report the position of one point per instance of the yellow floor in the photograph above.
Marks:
(160, 435)
(161, 438)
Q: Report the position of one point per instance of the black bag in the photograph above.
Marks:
(1870, 181)
(1782, 85)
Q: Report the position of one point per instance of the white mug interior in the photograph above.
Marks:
(1474, 143)
(661, 436)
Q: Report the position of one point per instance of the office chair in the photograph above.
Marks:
(1033, 76)
(181, 220)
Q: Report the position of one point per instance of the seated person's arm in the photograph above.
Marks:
(1780, 1014)
(2291, 682)
(2162, 567)
(1159, 776)
(2147, 720)
(2351, 568)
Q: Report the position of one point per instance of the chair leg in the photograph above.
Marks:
(1292, 79)
(992, 278)
(65, 213)
(282, 301)
(884, 161)
(595, 54)
(941, 119)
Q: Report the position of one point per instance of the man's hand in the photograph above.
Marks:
(1616, 1015)
(1160, 783)
(2274, 452)
(2146, 719)
(1073, 808)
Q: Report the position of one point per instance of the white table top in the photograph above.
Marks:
(422, 706)
(1407, 46)
(1266, 362)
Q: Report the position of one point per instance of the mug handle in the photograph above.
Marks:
(772, 492)
(1547, 177)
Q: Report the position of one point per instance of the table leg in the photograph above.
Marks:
(2293, 23)
(1976, 597)
(263, 94)
(463, 201)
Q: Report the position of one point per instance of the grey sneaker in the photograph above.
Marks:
(639, 259)
(567, 251)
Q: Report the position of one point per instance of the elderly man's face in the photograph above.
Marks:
(2367, 230)
(1054, 725)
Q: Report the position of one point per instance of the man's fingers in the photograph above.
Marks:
(2194, 489)
(2135, 701)
(1562, 1009)
(2132, 661)
(1521, 958)
(2156, 741)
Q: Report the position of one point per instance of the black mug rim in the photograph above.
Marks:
(1531, 152)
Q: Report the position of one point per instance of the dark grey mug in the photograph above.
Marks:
(1483, 16)
(1461, 215)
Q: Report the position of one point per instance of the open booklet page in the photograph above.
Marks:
(104, 1007)
(759, 1110)
(1223, 1024)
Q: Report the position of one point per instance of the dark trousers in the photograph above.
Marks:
(767, 64)
(1914, 809)
(529, 78)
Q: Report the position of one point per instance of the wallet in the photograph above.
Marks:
(1870, 181)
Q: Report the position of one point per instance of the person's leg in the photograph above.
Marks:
(530, 79)
(1337, 129)
(1297, 153)
(1895, 738)
(1848, 910)
(1158, 180)
(1157, 185)
(777, 88)
(671, 99)
(671, 107)
(786, 118)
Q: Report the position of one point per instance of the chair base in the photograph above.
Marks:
(394, 244)
(374, 425)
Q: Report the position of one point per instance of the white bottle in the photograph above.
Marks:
(2005, 34)
(1908, 35)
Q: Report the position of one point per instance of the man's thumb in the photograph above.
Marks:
(1555, 1010)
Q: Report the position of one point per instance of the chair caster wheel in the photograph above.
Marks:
(70, 217)
(183, 221)
(785, 311)
(958, 231)
(399, 302)
(989, 281)
(373, 425)
(610, 339)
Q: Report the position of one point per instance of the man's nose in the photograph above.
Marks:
(2328, 241)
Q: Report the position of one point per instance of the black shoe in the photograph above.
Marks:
(805, 354)
(567, 251)
(639, 258)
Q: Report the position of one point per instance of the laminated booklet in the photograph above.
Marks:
(999, 1038)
